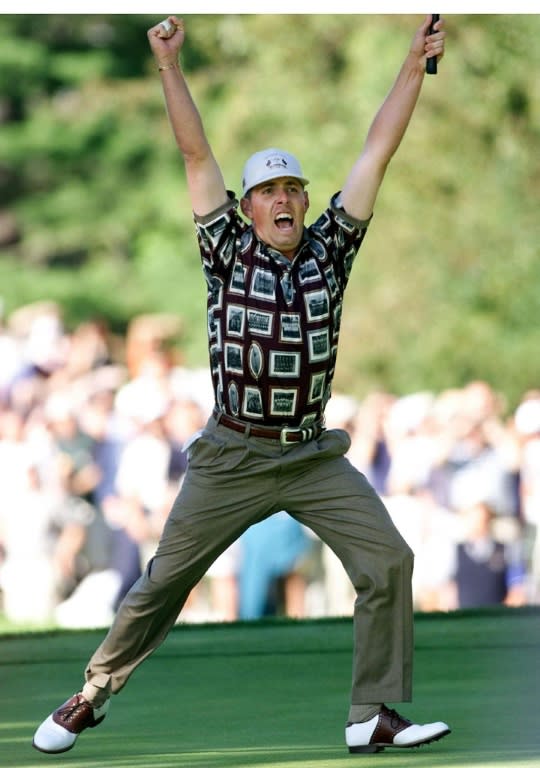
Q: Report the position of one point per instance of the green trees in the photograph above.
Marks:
(94, 212)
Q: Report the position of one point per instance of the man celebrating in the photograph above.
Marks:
(275, 294)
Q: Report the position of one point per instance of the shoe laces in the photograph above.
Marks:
(396, 719)
(70, 712)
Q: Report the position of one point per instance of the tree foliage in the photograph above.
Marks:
(94, 211)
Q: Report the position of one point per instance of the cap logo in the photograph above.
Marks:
(276, 162)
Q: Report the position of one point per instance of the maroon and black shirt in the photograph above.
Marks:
(273, 324)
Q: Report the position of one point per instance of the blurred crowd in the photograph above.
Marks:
(92, 432)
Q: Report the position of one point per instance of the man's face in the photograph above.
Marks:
(277, 209)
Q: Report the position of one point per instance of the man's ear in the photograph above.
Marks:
(245, 207)
(306, 200)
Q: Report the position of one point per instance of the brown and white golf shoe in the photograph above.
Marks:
(389, 729)
(60, 730)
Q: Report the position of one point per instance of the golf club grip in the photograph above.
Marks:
(431, 63)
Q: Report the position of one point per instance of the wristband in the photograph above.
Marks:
(162, 68)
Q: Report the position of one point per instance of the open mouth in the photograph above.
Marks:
(284, 221)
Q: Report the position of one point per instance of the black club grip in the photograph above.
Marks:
(431, 63)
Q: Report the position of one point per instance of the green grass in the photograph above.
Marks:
(275, 693)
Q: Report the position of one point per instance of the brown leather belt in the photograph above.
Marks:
(285, 435)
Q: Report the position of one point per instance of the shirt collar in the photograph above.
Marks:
(277, 255)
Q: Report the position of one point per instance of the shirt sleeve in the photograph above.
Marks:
(341, 236)
(345, 219)
(218, 233)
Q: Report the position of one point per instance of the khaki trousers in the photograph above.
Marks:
(235, 480)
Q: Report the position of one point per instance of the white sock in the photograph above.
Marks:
(94, 695)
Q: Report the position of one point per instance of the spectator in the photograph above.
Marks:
(472, 452)
(431, 532)
(369, 450)
(182, 420)
(411, 442)
(272, 555)
(486, 571)
(71, 448)
(44, 538)
(527, 428)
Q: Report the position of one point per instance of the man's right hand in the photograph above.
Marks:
(166, 49)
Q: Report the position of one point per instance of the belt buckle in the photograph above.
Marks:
(306, 433)
(285, 432)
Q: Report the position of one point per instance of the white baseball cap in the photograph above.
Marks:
(268, 164)
(527, 417)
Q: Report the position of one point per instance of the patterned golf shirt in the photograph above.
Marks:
(273, 324)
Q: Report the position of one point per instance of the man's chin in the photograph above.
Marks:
(287, 242)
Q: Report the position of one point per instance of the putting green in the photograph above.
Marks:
(275, 693)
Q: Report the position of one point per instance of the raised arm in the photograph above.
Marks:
(390, 123)
(205, 181)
